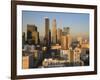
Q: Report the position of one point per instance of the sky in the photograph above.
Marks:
(78, 22)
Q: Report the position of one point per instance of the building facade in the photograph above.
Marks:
(59, 34)
(27, 61)
(32, 34)
(47, 31)
(77, 53)
(54, 32)
(66, 38)
(35, 37)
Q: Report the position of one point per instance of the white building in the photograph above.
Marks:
(66, 55)
(76, 56)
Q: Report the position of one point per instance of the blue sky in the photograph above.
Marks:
(78, 22)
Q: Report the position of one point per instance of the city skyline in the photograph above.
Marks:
(50, 43)
(72, 20)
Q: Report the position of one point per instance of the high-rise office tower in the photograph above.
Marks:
(59, 34)
(66, 38)
(35, 37)
(49, 37)
(31, 27)
(46, 29)
(66, 30)
(64, 42)
(32, 33)
(54, 32)
(69, 40)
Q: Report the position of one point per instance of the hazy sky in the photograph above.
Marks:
(78, 22)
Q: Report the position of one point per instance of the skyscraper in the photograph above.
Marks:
(54, 32)
(32, 33)
(46, 29)
(49, 37)
(66, 38)
(69, 40)
(64, 42)
(31, 27)
(66, 30)
(59, 34)
(35, 37)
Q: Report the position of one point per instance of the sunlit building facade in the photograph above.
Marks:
(27, 61)
(54, 32)
(59, 34)
(35, 37)
(77, 53)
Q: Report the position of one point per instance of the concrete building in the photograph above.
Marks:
(27, 61)
(77, 53)
(59, 34)
(49, 41)
(46, 30)
(64, 42)
(67, 55)
(32, 33)
(31, 27)
(79, 39)
(69, 40)
(71, 56)
(46, 26)
(35, 37)
(66, 30)
(54, 32)
(66, 38)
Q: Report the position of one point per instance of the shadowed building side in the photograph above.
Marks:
(47, 31)
(32, 34)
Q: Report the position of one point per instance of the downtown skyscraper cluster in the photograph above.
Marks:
(56, 47)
